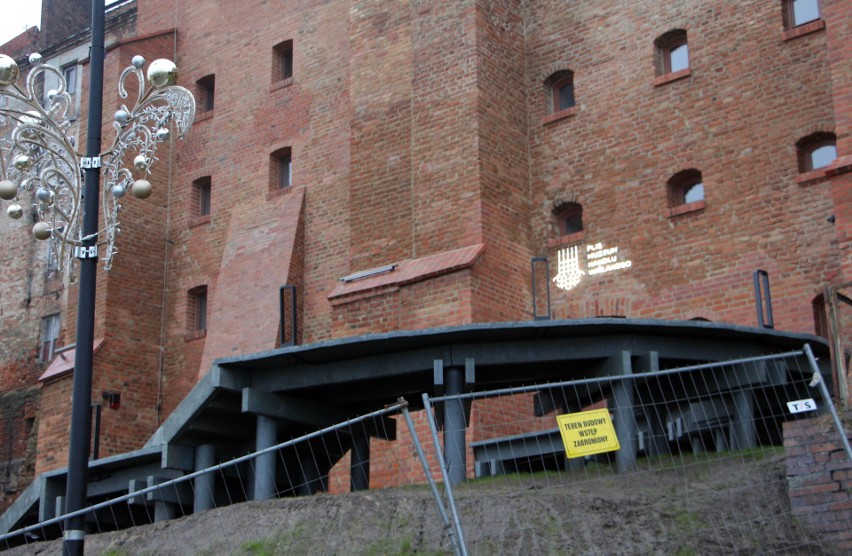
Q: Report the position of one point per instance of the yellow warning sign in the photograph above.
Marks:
(587, 433)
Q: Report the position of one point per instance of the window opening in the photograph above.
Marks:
(49, 336)
(800, 12)
(207, 92)
(817, 151)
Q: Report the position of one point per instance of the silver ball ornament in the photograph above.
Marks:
(15, 211)
(8, 70)
(35, 58)
(23, 162)
(140, 162)
(162, 73)
(121, 117)
(42, 231)
(163, 134)
(45, 195)
(142, 189)
(118, 191)
(138, 61)
(8, 190)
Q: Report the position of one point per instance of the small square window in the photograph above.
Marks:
(799, 12)
(282, 61)
(206, 93)
(202, 195)
(685, 187)
(816, 151)
(569, 218)
(560, 90)
(49, 336)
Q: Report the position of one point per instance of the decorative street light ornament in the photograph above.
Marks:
(37, 155)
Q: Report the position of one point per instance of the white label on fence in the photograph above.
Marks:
(800, 406)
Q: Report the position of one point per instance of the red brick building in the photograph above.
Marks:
(402, 164)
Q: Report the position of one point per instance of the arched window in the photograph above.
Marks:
(560, 91)
(569, 218)
(685, 187)
(282, 61)
(816, 151)
(671, 52)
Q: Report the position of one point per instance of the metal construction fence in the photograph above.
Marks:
(149, 519)
(682, 461)
(744, 456)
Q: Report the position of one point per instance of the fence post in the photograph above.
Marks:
(448, 487)
(442, 511)
(624, 421)
(818, 381)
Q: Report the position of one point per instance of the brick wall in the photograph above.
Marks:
(819, 479)
(61, 19)
(418, 129)
(628, 137)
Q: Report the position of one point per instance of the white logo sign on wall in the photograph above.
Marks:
(599, 260)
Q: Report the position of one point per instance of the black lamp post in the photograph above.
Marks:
(37, 157)
(80, 438)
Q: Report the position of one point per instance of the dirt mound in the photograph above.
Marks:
(728, 506)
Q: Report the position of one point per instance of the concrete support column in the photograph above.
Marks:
(624, 421)
(205, 456)
(651, 400)
(264, 465)
(720, 441)
(359, 465)
(455, 425)
(164, 511)
(742, 427)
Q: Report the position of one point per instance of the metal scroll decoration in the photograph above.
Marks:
(40, 171)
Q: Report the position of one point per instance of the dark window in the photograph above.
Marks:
(685, 187)
(820, 317)
(799, 12)
(281, 169)
(563, 94)
(49, 336)
(560, 90)
(283, 61)
(207, 93)
(197, 309)
(569, 218)
(672, 52)
(202, 194)
(816, 151)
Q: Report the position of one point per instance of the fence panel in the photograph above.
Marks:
(198, 513)
(734, 457)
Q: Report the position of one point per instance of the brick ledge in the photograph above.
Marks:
(556, 116)
(406, 272)
(695, 206)
(674, 76)
(802, 30)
